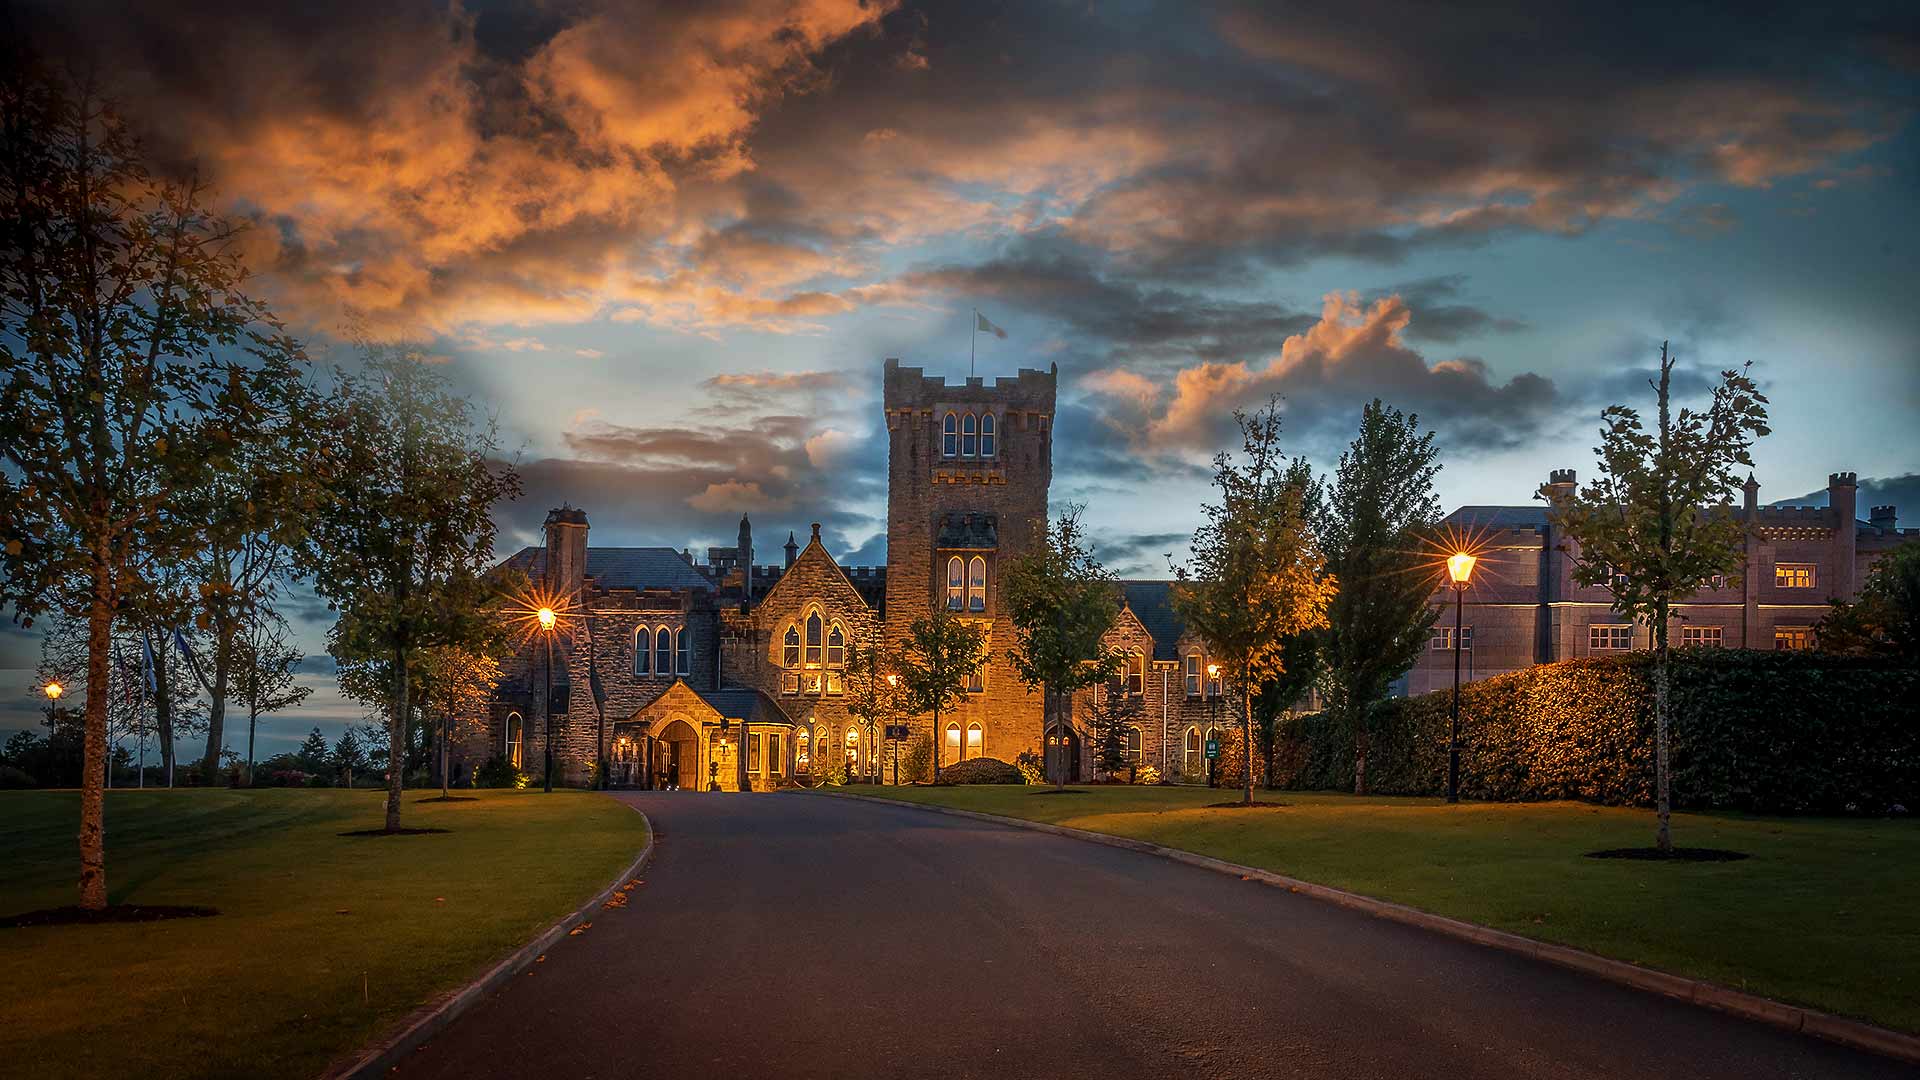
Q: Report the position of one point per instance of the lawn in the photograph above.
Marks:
(322, 942)
(1826, 912)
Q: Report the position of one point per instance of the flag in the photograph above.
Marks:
(146, 662)
(981, 325)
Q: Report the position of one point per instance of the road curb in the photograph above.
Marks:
(1839, 1029)
(427, 1021)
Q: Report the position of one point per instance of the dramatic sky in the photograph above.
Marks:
(667, 245)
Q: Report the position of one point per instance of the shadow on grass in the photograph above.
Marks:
(1254, 805)
(393, 832)
(1060, 791)
(1679, 854)
(449, 798)
(112, 913)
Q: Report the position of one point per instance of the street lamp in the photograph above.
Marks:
(893, 710)
(547, 619)
(1460, 569)
(53, 691)
(1213, 712)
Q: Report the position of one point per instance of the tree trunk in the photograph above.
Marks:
(253, 721)
(940, 741)
(446, 753)
(93, 771)
(1662, 800)
(163, 707)
(1360, 748)
(217, 705)
(397, 736)
(1246, 742)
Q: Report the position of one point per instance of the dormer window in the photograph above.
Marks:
(987, 430)
(836, 647)
(977, 584)
(814, 631)
(950, 436)
(790, 647)
(956, 584)
(969, 436)
(1136, 673)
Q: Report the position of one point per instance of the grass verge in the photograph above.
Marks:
(1822, 914)
(322, 941)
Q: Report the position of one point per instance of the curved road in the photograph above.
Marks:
(797, 936)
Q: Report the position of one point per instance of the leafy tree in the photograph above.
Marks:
(1061, 602)
(266, 662)
(940, 654)
(403, 540)
(1300, 667)
(313, 753)
(1884, 620)
(132, 363)
(1256, 576)
(873, 694)
(348, 755)
(1658, 521)
(1371, 521)
(1113, 714)
(63, 659)
(456, 682)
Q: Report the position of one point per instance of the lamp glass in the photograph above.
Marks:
(546, 618)
(54, 690)
(1460, 567)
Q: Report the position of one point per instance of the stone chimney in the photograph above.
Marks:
(1884, 518)
(793, 549)
(1561, 484)
(566, 529)
(1842, 493)
(746, 542)
(1752, 503)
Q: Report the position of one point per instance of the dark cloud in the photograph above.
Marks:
(1140, 555)
(1438, 317)
(1901, 492)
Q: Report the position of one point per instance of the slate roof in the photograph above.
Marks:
(1152, 604)
(744, 703)
(623, 567)
(1499, 517)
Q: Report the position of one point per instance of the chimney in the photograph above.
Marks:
(793, 549)
(1884, 518)
(566, 529)
(1560, 484)
(1842, 492)
(1752, 489)
(745, 542)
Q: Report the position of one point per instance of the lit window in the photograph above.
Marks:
(987, 427)
(834, 683)
(1193, 749)
(950, 752)
(836, 647)
(1133, 743)
(950, 436)
(663, 651)
(813, 639)
(1705, 636)
(790, 651)
(514, 729)
(753, 754)
(975, 738)
(977, 584)
(956, 584)
(1193, 674)
(642, 651)
(776, 759)
(1793, 575)
(801, 741)
(1792, 638)
(1443, 638)
(683, 638)
(1136, 673)
(969, 438)
(1609, 638)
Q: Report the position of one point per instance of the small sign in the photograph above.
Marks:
(1213, 749)
(897, 733)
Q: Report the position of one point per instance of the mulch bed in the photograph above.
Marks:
(449, 798)
(1679, 854)
(392, 832)
(1254, 805)
(112, 913)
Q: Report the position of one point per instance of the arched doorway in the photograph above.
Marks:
(676, 756)
(1063, 753)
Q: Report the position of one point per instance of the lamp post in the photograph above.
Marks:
(1213, 713)
(547, 619)
(1460, 569)
(53, 692)
(893, 713)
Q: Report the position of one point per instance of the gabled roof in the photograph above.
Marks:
(1152, 604)
(1499, 517)
(745, 703)
(623, 568)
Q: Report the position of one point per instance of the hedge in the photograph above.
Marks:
(981, 770)
(1775, 732)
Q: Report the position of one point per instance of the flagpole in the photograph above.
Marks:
(971, 339)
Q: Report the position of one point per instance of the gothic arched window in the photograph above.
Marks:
(642, 651)
(790, 647)
(836, 647)
(950, 436)
(977, 584)
(976, 738)
(987, 429)
(514, 726)
(683, 640)
(814, 630)
(969, 437)
(956, 584)
(1136, 673)
(663, 651)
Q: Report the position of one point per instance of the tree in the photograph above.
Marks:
(1884, 620)
(403, 539)
(1061, 602)
(347, 755)
(313, 753)
(1372, 520)
(1658, 521)
(63, 659)
(1300, 666)
(266, 661)
(456, 682)
(941, 653)
(132, 363)
(1256, 576)
(1113, 714)
(873, 694)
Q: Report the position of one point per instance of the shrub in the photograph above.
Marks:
(11, 777)
(1032, 766)
(498, 772)
(830, 772)
(918, 763)
(1146, 774)
(1765, 732)
(981, 770)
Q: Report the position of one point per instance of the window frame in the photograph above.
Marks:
(1136, 677)
(643, 651)
(663, 650)
(790, 646)
(1594, 630)
(1709, 637)
(969, 436)
(951, 737)
(1792, 638)
(950, 435)
(1136, 742)
(814, 639)
(956, 583)
(977, 746)
(1191, 670)
(514, 741)
(1793, 572)
(1193, 746)
(836, 644)
(682, 651)
(977, 584)
(1442, 639)
(989, 435)
(776, 755)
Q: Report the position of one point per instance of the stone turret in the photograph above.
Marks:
(566, 569)
(1561, 484)
(793, 549)
(1842, 496)
(1884, 518)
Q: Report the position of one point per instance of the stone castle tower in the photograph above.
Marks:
(968, 467)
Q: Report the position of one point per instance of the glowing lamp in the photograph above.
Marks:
(546, 618)
(893, 680)
(54, 690)
(1460, 567)
(1213, 671)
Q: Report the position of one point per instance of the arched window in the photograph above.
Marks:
(1133, 743)
(836, 647)
(956, 584)
(986, 435)
(976, 738)
(853, 749)
(1192, 661)
(969, 436)
(663, 651)
(515, 727)
(1136, 673)
(977, 584)
(950, 750)
(683, 641)
(950, 436)
(1194, 760)
(643, 651)
(802, 748)
(814, 630)
(790, 647)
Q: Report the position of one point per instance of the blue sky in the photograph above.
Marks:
(668, 246)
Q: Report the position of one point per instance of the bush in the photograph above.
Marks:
(1767, 732)
(498, 772)
(1146, 774)
(981, 770)
(11, 777)
(1033, 767)
(918, 763)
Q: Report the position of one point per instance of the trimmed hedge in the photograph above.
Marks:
(981, 770)
(1774, 732)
